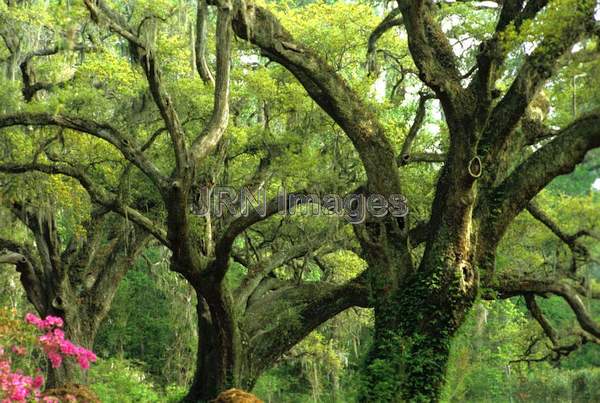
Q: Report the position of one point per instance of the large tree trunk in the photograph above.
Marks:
(413, 330)
(76, 281)
(82, 310)
(263, 333)
(219, 356)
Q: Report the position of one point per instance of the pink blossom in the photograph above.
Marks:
(19, 393)
(38, 381)
(55, 359)
(66, 347)
(83, 362)
(54, 321)
(84, 357)
(15, 385)
(43, 324)
(60, 335)
(18, 387)
(55, 346)
(35, 321)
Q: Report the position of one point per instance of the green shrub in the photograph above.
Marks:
(121, 381)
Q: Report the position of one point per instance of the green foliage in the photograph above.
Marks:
(152, 303)
(324, 366)
(117, 380)
(479, 368)
(149, 337)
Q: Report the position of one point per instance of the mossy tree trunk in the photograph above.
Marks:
(235, 346)
(76, 280)
(218, 356)
(413, 331)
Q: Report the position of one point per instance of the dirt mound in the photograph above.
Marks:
(73, 393)
(236, 396)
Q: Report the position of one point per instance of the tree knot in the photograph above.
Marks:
(475, 167)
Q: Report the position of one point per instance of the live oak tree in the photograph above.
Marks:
(75, 279)
(422, 276)
(71, 273)
(488, 176)
(243, 329)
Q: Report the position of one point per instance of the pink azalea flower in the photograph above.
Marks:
(15, 385)
(18, 387)
(38, 381)
(55, 359)
(35, 321)
(19, 394)
(54, 321)
(43, 324)
(83, 362)
(66, 347)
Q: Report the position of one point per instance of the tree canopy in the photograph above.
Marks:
(120, 120)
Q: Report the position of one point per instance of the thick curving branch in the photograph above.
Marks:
(97, 193)
(265, 267)
(509, 286)
(328, 89)
(431, 52)
(538, 315)
(578, 250)
(30, 87)
(43, 225)
(100, 10)
(212, 133)
(314, 303)
(200, 43)
(31, 275)
(103, 131)
(108, 273)
(558, 157)
(492, 55)
(116, 22)
(536, 69)
(163, 101)
(390, 21)
(531, 288)
(239, 225)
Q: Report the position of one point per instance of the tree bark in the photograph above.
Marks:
(218, 356)
(259, 336)
(413, 329)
